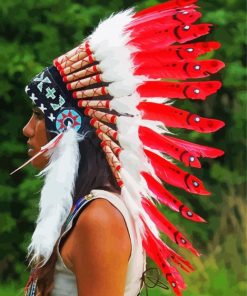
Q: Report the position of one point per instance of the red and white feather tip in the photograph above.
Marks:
(149, 61)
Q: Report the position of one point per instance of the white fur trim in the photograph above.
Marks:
(56, 196)
(124, 87)
(126, 104)
(108, 33)
(128, 133)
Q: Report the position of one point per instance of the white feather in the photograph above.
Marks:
(110, 33)
(56, 196)
(119, 71)
(131, 163)
(109, 43)
(132, 194)
(124, 87)
(126, 104)
(128, 133)
(159, 100)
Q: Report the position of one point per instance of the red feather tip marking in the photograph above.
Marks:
(173, 175)
(165, 6)
(169, 35)
(166, 145)
(191, 51)
(189, 32)
(179, 70)
(162, 20)
(167, 227)
(169, 200)
(159, 252)
(176, 258)
(196, 149)
(180, 90)
(178, 118)
(188, 52)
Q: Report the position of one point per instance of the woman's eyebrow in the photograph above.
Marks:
(37, 109)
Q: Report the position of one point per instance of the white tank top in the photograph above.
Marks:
(65, 281)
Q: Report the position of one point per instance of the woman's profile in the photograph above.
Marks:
(98, 133)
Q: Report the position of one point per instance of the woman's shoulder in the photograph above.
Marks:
(102, 218)
(101, 228)
(98, 242)
(100, 213)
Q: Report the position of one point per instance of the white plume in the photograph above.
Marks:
(109, 43)
(126, 104)
(56, 196)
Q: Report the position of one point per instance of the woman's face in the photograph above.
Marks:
(35, 131)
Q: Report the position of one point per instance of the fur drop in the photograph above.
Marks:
(56, 196)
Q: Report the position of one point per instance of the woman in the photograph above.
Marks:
(97, 130)
(100, 237)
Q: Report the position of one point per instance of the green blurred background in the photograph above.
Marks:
(32, 33)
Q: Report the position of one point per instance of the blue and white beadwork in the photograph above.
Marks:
(68, 117)
(49, 93)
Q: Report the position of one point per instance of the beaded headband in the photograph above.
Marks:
(48, 92)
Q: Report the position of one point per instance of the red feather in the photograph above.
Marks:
(196, 149)
(165, 6)
(179, 90)
(168, 199)
(178, 118)
(167, 227)
(179, 260)
(188, 52)
(159, 21)
(173, 175)
(170, 35)
(157, 251)
(179, 70)
(167, 145)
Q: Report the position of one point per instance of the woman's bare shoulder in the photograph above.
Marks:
(101, 220)
(100, 243)
(99, 213)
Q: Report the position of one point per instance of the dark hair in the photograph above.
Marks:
(94, 172)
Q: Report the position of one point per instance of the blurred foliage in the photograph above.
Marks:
(32, 33)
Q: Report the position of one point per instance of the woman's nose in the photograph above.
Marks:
(28, 130)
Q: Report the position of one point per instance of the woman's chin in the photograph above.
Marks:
(40, 162)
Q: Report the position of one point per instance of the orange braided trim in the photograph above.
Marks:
(88, 60)
(113, 160)
(94, 104)
(113, 163)
(82, 74)
(84, 82)
(104, 128)
(105, 117)
(82, 48)
(108, 142)
(90, 93)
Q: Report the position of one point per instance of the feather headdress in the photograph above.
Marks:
(143, 62)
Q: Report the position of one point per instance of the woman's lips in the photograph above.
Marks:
(30, 151)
